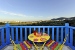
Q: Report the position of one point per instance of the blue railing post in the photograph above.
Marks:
(57, 34)
(67, 32)
(2, 36)
(52, 33)
(7, 33)
(71, 37)
(25, 33)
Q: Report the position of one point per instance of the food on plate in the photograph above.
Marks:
(38, 34)
(43, 39)
(35, 40)
(35, 32)
(45, 34)
(31, 36)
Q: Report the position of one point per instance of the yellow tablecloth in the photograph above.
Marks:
(35, 37)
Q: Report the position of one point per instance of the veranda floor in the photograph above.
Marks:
(10, 47)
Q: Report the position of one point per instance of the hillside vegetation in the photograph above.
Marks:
(54, 23)
(45, 23)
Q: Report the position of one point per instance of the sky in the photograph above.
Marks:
(33, 10)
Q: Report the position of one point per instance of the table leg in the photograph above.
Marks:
(36, 47)
(43, 46)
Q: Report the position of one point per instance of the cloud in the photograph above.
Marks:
(27, 18)
(10, 13)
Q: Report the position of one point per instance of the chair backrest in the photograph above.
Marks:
(53, 46)
(22, 46)
(18, 45)
(57, 47)
(48, 42)
(29, 43)
(26, 44)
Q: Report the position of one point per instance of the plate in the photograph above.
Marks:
(45, 34)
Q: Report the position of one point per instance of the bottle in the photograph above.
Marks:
(34, 32)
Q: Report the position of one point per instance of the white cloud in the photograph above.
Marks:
(10, 13)
(28, 18)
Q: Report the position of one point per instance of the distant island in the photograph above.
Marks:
(63, 18)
